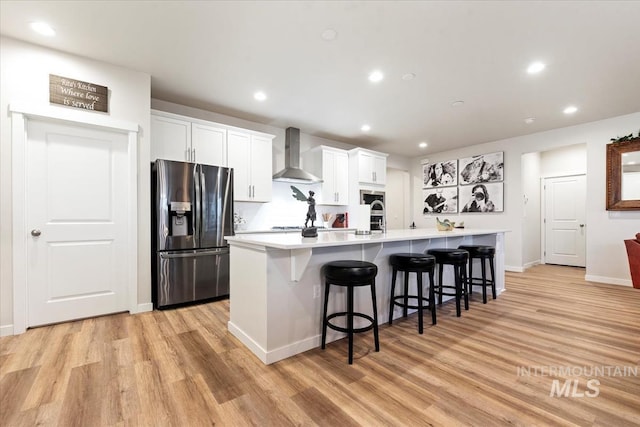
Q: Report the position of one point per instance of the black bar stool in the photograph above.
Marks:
(458, 259)
(350, 274)
(483, 253)
(412, 263)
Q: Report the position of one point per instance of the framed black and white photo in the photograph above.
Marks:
(482, 168)
(440, 200)
(484, 197)
(440, 174)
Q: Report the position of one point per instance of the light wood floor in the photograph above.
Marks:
(181, 367)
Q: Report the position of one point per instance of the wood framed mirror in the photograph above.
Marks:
(623, 175)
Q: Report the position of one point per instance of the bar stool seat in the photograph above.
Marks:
(350, 274)
(457, 258)
(412, 263)
(484, 253)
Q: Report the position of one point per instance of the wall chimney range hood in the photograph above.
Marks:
(292, 171)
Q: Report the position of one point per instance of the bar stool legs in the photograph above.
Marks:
(458, 259)
(412, 263)
(350, 274)
(484, 253)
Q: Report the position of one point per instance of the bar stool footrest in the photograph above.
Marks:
(346, 330)
(439, 291)
(477, 281)
(401, 303)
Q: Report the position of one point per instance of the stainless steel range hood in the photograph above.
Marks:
(292, 171)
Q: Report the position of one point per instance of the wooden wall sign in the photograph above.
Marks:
(78, 94)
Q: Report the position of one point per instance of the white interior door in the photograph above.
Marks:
(77, 210)
(565, 228)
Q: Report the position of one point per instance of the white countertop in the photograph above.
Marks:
(288, 230)
(344, 238)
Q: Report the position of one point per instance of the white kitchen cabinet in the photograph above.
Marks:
(170, 138)
(332, 165)
(371, 166)
(181, 139)
(250, 157)
(208, 144)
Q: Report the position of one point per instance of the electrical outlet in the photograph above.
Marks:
(316, 291)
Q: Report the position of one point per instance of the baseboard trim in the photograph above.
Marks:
(6, 330)
(147, 306)
(531, 264)
(608, 280)
(513, 269)
(268, 357)
(248, 341)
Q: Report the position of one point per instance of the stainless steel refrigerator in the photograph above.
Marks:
(192, 212)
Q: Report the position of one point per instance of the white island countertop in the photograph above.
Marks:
(344, 238)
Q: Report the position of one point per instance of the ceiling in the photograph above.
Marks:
(215, 55)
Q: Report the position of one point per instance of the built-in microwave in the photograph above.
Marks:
(377, 209)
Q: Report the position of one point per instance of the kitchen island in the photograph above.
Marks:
(276, 282)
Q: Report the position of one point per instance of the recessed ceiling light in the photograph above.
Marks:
(570, 109)
(376, 76)
(329, 34)
(408, 76)
(529, 120)
(457, 104)
(365, 128)
(43, 28)
(535, 67)
(260, 96)
(423, 145)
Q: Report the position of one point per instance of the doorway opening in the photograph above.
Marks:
(537, 167)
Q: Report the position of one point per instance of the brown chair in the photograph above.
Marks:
(633, 252)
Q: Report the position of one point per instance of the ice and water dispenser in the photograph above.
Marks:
(180, 219)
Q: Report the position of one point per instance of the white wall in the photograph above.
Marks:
(24, 77)
(606, 257)
(570, 160)
(531, 209)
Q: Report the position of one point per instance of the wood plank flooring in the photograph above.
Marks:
(182, 368)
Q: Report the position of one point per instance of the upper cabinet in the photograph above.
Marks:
(182, 139)
(185, 139)
(208, 144)
(251, 159)
(170, 138)
(332, 165)
(371, 166)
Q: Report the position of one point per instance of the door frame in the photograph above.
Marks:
(20, 115)
(543, 212)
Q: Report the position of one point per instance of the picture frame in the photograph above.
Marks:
(440, 200)
(482, 198)
(481, 168)
(440, 174)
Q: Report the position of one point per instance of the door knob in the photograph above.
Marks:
(35, 232)
(581, 225)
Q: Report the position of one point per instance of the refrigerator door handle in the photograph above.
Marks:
(198, 213)
(203, 203)
(190, 254)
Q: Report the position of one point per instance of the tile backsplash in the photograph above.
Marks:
(284, 209)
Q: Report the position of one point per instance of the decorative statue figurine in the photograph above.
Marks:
(311, 212)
